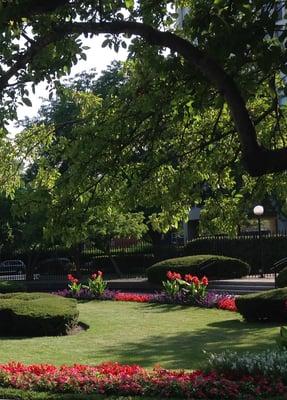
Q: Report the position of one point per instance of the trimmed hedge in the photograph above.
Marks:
(281, 278)
(245, 248)
(12, 286)
(36, 314)
(268, 306)
(220, 267)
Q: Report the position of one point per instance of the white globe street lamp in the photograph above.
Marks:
(258, 211)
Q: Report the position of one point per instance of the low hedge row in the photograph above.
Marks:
(268, 306)
(36, 314)
(12, 286)
(212, 266)
(281, 278)
(245, 248)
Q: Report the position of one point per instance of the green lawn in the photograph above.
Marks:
(146, 334)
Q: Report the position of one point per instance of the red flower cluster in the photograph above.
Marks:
(173, 276)
(72, 279)
(97, 274)
(132, 380)
(139, 298)
(194, 279)
(227, 304)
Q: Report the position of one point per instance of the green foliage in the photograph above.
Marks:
(281, 278)
(36, 314)
(96, 284)
(268, 363)
(265, 306)
(152, 135)
(29, 395)
(282, 339)
(212, 266)
(245, 248)
(12, 286)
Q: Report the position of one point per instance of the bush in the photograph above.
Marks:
(264, 306)
(218, 267)
(246, 248)
(281, 279)
(268, 363)
(36, 314)
(12, 286)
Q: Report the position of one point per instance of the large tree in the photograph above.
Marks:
(234, 46)
(148, 147)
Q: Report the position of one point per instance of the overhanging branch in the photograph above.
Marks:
(258, 160)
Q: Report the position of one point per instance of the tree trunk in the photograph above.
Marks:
(113, 261)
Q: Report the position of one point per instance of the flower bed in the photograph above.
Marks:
(131, 380)
(182, 290)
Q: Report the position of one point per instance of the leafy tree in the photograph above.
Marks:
(164, 133)
(166, 154)
(232, 45)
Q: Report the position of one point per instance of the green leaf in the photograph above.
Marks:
(106, 42)
(27, 101)
(129, 3)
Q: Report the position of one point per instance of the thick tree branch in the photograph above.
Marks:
(27, 8)
(258, 160)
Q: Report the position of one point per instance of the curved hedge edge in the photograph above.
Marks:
(221, 267)
(17, 394)
(281, 278)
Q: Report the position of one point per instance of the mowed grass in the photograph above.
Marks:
(146, 334)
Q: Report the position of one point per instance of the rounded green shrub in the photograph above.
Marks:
(212, 266)
(268, 306)
(36, 314)
(281, 279)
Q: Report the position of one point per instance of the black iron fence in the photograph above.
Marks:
(260, 252)
(132, 257)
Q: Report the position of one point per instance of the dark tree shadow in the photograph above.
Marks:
(185, 350)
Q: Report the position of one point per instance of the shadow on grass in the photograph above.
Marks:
(158, 307)
(186, 349)
(75, 330)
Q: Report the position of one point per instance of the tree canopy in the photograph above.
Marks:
(232, 45)
(147, 140)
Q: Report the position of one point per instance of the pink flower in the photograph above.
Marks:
(204, 281)
(72, 279)
(195, 280)
(188, 278)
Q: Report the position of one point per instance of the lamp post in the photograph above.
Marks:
(258, 212)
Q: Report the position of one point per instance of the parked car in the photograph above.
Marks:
(9, 267)
(56, 265)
